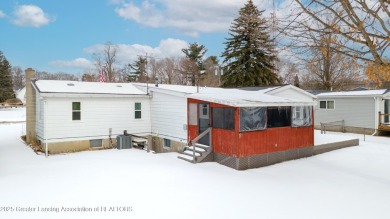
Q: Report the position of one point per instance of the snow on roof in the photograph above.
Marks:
(193, 89)
(56, 86)
(237, 97)
(241, 98)
(354, 93)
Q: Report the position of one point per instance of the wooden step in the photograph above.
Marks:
(206, 147)
(197, 149)
(191, 153)
(186, 157)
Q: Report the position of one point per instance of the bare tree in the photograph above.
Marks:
(106, 60)
(43, 75)
(168, 70)
(363, 27)
(18, 78)
(211, 76)
(287, 71)
(186, 68)
(154, 67)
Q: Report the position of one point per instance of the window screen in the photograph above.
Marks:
(278, 116)
(223, 118)
(301, 116)
(253, 118)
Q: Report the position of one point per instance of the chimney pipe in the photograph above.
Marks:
(30, 107)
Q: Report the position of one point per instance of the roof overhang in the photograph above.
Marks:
(246, 102)
(91, 95)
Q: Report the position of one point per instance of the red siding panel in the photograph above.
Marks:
(241, 144)
(224, 142)
(275, 139)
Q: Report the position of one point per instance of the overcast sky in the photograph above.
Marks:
(60, 35)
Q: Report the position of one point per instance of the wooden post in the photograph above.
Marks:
(379, 119)
(150, 143)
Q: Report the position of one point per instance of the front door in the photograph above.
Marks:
(204, 122)
(387, 110)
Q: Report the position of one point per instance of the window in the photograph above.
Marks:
(192, 114)
(327, 104)
(253, 118)
(223, 118)
(203, 111)
(301, 116)
(278, 116)
(94, 143)
(76, 111)
(137, 111)
(167, 143)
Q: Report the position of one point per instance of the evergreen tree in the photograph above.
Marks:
(248, 53)
(6, 86)
(296, 81)
(137, 70)
(195, 54)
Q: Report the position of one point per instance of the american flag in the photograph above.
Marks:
(102, 76)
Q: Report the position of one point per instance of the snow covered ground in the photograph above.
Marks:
(12, 114)
(348, 183)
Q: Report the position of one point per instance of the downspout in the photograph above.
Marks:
(376, 117)
(44, 128)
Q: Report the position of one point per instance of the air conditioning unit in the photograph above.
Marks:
(123, 142)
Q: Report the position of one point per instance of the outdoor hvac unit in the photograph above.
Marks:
(123, 142)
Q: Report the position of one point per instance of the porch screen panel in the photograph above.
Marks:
(301, 116)
(193, 114)
(253, 118)
(223, 118)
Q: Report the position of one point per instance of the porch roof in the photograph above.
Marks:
(240, 98)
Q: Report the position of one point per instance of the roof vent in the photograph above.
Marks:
(70, 84)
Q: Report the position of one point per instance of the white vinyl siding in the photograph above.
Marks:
(356, 112)
(39, 121)
(292, 93)
(169, 115)
(99, 114)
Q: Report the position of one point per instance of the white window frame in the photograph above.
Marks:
(137, 110)
(298, 116)
(202, 107)
(76, 111)
(327, 105)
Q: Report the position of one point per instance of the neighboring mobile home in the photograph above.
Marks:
(353, 111)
